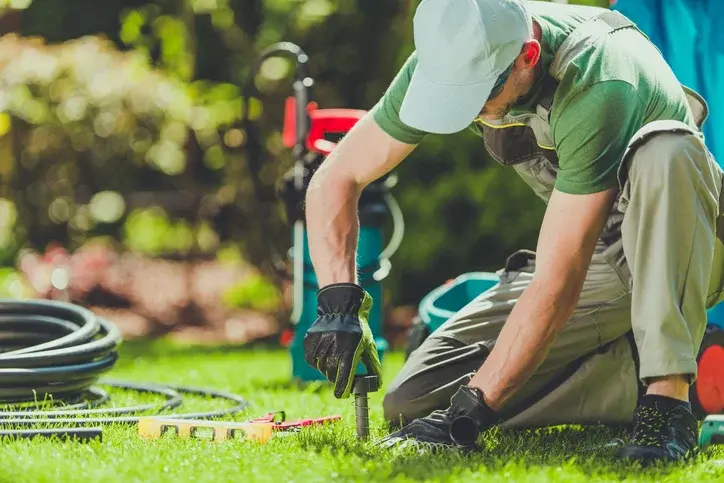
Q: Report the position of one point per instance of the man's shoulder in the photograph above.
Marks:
(387, 110)
(625, 62)
(619, 56)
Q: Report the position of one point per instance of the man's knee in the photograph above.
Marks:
(663, 155)
(408, 396)
(407, 401)
(671, 167)
(430, 377)
(663, 158)
(405, 389)
(394, 405)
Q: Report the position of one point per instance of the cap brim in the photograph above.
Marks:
(443, 108)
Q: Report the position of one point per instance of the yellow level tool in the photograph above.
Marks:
(154, 427)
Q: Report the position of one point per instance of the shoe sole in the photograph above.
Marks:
(646, 456)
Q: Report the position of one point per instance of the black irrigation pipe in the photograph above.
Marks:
(53, 354)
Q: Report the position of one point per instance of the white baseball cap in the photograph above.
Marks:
(462, 47)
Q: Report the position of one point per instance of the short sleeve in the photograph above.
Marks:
(387, 110)
(591, 133)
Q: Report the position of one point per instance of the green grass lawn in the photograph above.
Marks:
(324, 454)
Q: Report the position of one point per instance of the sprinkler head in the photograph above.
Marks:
(362, 386)
(365, 384)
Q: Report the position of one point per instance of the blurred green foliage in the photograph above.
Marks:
(12, 285)
(125, 121)
(255, 292)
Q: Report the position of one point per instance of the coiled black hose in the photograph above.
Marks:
(53, 353)
(52, 349)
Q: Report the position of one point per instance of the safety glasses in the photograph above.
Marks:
(500, 82)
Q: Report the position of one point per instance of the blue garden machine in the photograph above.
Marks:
(311, 134)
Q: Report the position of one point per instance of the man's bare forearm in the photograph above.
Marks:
(570, 229)
(364, 155)
(524, 342)
(333, 227)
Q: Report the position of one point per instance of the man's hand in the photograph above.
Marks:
(458, 426)
(570, 230)
(341, 338)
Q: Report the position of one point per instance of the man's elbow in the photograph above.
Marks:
(330, 184)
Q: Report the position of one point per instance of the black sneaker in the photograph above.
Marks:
(664, 430)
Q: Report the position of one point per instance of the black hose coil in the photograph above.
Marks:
(52, 348)
(53, 353)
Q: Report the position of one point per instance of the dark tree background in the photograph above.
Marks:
(122, 118)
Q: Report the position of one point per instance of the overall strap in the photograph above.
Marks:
(699, 106)
(586, 34)
(591, 31)
(545, 101)
(582, 36)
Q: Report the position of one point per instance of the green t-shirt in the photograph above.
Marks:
(606, 94)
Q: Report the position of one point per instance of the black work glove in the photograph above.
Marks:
(456, 427)
(341, 338)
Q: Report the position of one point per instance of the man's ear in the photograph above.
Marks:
(530, 54)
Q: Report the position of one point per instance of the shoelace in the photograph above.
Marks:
(445, 416)
(650, 423)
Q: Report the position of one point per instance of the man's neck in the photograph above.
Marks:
(526, 102)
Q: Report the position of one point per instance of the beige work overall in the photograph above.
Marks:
(642, 313)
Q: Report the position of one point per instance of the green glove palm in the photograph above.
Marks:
(341, 338)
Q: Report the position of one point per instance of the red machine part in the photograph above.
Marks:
(322, 122)
(710, 380)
